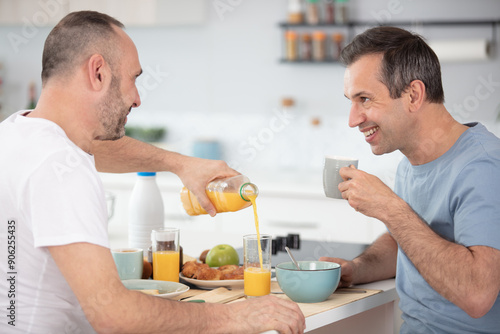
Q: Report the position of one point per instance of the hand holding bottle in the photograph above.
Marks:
(196, 173)
(227, 195)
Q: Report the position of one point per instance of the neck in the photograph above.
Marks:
(437, 132)
(67, 110)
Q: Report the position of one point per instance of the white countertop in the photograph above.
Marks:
(387, 295)
(361, 313)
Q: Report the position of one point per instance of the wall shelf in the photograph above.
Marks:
(394, 23)
(349, 28)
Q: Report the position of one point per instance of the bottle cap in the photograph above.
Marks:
(146, 173)
(338, 37)
(248, 189)
(319, 35)
(291, 35)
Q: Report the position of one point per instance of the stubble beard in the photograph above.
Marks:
(113, 112)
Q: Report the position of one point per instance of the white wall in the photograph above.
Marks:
(222, 79)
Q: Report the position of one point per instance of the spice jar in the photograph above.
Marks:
(337, 40)
(341, 11)
(295, 12)
(312, 12)
(329, 12)
(306, 47)
(319, 46)
(291, 45)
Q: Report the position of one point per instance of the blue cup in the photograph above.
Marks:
(207, 149)
(129, 262)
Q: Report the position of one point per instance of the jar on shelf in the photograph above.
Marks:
(312, 12)
(337, 45)
(295, 12)
(306, 47)
(341, 11)
(292, 52)
(329, 12)
(319, 45)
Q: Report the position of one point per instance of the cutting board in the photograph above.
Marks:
(219, 295)
(337, 299)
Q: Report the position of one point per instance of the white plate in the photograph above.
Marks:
(165, 288)
(203, 284)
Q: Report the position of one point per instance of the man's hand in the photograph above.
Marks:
(346, 270)
(366, 193)
(261, 314)
(377, 262)
(196, 173)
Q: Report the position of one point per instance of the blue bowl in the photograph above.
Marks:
(314, 283)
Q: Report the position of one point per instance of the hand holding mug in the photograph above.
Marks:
(331, 174)
(366, 193)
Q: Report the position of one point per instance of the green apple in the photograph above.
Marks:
(221, 255)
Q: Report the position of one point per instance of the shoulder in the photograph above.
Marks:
(479, 150)
(482, 141)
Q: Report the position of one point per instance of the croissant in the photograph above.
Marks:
(198, 270)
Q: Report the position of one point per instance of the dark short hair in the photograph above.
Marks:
(76, 37)
(406, 58)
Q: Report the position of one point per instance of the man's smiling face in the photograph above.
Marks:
(382, 119)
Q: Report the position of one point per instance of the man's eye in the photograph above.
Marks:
(364, 99)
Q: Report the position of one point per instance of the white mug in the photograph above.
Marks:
(331, 176)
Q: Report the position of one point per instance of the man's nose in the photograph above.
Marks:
(356, 116)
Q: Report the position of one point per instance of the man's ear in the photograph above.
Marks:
(416, 94)
(98, 72)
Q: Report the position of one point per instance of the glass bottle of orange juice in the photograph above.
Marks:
(227, 195)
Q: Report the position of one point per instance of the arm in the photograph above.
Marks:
(378, 262)
(130, 155)
(469, 277)
(111, 308)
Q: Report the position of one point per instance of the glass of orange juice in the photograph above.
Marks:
(165, 249)
(257, 264)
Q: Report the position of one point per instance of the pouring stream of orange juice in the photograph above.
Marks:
(252, 199)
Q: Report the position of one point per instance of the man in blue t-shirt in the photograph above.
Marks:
(443, 217)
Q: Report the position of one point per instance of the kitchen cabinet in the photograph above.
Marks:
(35, 13)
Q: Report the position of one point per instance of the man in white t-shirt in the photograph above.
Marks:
(60, 276)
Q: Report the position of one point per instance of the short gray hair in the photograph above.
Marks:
(76, 37)
(406, 58)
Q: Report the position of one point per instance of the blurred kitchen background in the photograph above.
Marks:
(214, 85)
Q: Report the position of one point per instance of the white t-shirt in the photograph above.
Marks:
(50, 194)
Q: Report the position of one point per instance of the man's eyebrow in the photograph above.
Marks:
(360, 94)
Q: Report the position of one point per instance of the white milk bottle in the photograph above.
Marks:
(146, 211)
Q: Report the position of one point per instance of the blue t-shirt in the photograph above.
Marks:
(458, 196)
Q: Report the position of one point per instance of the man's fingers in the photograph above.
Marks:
(205, 203)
